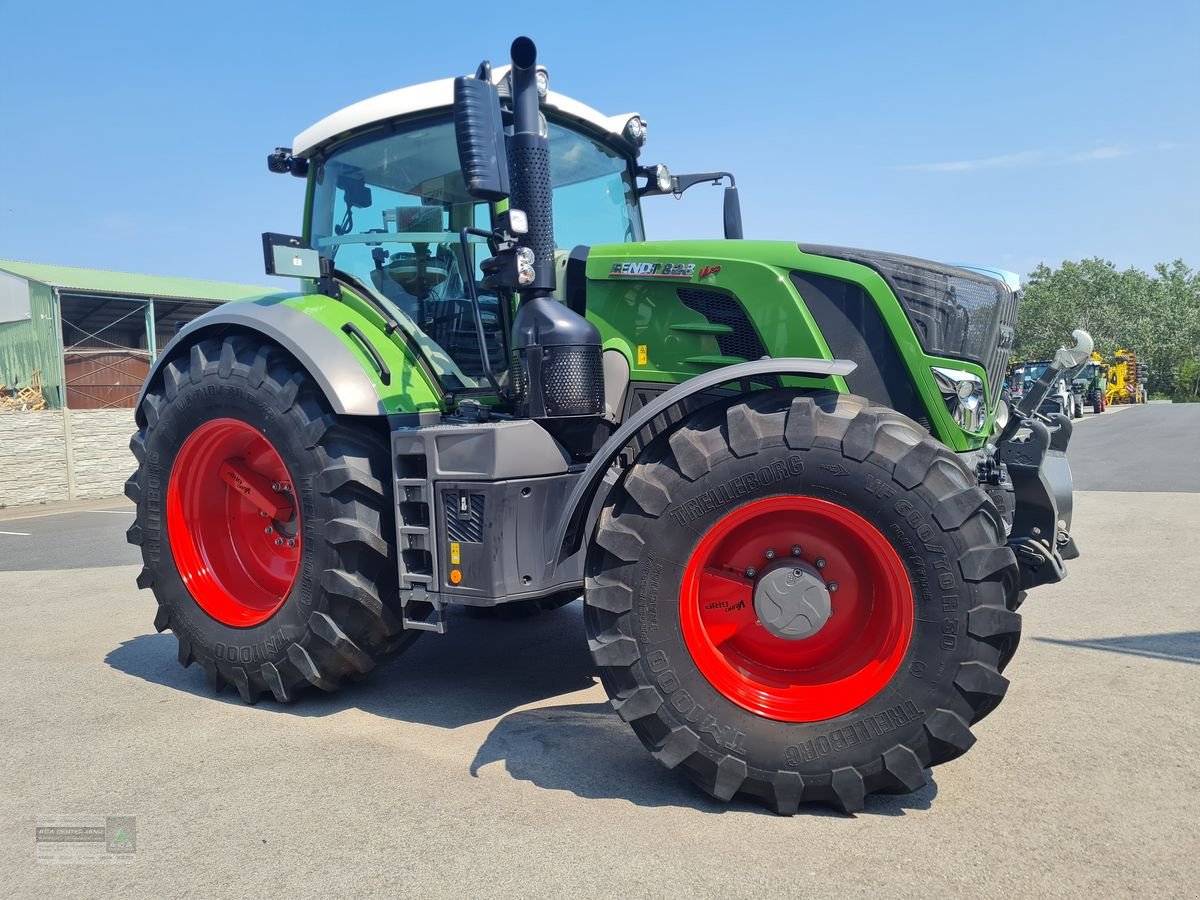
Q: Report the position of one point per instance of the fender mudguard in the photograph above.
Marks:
(573, 522)
(329, 361)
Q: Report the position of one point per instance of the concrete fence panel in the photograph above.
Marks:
(58, 455)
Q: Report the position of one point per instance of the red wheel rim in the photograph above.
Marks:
(232, 523)
(837, 669)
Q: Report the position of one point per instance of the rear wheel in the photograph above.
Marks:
(801, 599)
(265, 523)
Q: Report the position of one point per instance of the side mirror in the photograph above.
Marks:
(285, 254)
(479, 130)
(290, 256)
(733, 214)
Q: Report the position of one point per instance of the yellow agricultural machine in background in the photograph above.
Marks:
(1126, 379)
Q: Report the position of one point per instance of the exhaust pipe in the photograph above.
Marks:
(558, 359)
(529, 168)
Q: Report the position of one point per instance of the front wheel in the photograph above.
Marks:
(265, 523)
(801, 599)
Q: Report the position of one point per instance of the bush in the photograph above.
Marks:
(1187, 383)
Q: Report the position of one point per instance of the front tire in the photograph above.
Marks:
(814, 705)
(265, 523)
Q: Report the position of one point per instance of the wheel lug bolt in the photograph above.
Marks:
(820, 563)
(292, 543)
(795, 550)
(751, 571)
(770, 554)
(278, 542)
(287, 488)
(268, 530)
(833, 586)
(261, 513)
(275, 486)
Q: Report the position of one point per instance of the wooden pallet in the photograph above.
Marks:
(27, 399)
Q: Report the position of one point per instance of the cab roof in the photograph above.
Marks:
(437, 95)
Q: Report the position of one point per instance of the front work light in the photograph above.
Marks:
(525, 271)
(635, 131)
(662, 177)
(518, 222)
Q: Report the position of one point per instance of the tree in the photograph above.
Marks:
(1156, 316)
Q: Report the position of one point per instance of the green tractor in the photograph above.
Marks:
(781, 477)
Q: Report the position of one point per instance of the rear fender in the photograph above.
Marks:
(325, 354)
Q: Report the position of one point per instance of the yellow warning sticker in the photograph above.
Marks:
(455, 554)
(643, 356)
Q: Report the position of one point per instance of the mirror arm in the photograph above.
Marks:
(680, 183)
(327, 285)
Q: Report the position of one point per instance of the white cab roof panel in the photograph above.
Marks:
(433, 95)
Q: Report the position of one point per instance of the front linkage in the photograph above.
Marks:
(1032, 448)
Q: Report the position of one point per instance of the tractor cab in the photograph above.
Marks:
(388, 203)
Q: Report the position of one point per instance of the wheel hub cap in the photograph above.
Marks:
(792, 602)
(796, 608)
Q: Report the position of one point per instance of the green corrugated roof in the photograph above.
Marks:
(129, 284)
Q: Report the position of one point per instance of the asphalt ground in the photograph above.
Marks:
(486, 762)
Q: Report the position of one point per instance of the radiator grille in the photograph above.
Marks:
(954, 312)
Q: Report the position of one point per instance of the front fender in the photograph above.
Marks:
(569, 536)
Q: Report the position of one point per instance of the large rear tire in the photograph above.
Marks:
(771, 698)
(265, 523)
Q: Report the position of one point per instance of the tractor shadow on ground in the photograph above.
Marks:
(479, 670)
(1175, 646)
(484, 669)
(586, 749)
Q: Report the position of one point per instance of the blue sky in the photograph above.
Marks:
(133, 136)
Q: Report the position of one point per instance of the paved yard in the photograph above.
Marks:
(486, 762)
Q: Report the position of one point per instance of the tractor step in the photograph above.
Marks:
(435, 623)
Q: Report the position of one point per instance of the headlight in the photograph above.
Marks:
(1002, 414)
(963, 393)
(542, 77)
(635, 130)
(525, 257)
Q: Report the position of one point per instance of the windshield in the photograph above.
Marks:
(388, 211)
(1027, 373)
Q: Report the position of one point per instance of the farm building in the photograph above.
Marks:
(88, 336)
(75, 347)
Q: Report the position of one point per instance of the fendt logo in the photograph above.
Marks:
(651, 270)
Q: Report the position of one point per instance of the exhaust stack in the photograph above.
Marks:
(529, 167)
(557, 352)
